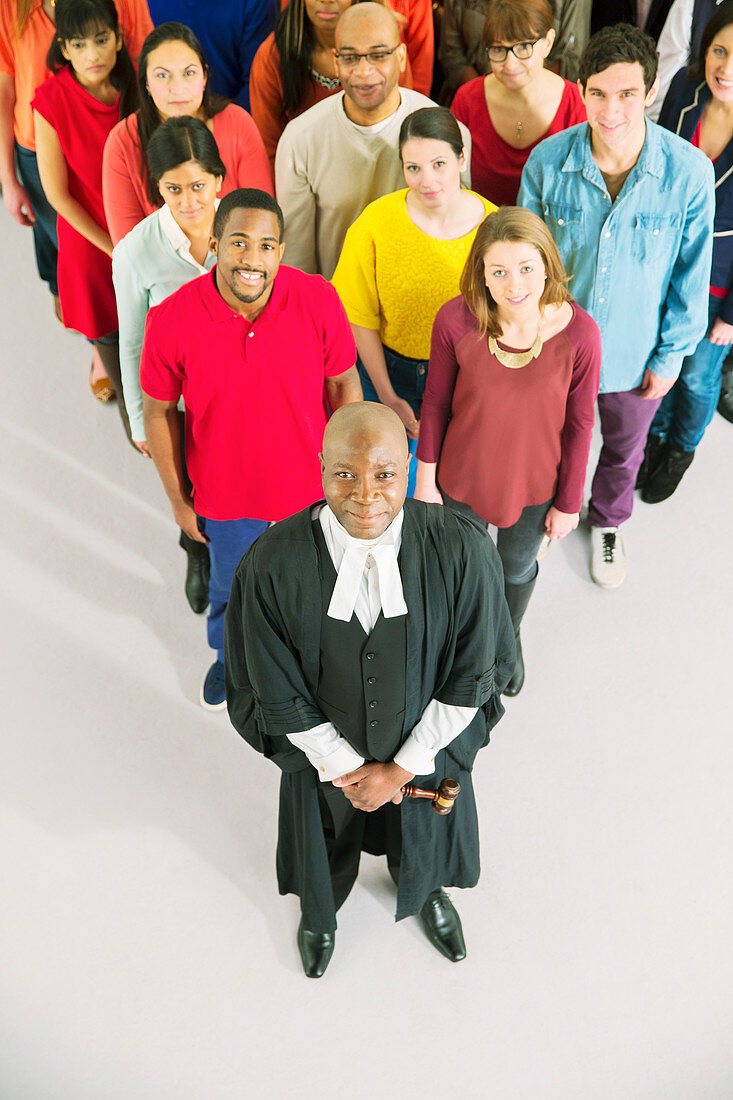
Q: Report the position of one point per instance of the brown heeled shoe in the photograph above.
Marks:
(102, 389)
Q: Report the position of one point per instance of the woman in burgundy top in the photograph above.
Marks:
(506, 432)
(519, 102)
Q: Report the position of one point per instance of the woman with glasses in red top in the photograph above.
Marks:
(519, 102)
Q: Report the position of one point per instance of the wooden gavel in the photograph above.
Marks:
(442, 799)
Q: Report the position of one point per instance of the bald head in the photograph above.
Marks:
(364, 467)
(369, 62)
(376, 16)
(362, 418)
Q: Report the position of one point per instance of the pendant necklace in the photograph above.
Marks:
(519, 128)
(516, 359)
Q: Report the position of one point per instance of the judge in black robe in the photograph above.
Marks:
(458, 649)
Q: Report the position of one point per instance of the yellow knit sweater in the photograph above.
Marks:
(394, 278)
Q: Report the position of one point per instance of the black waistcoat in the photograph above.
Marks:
(361, 684)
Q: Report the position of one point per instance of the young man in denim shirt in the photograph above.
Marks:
(630, 206)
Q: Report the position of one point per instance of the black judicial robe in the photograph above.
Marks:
(460, 650)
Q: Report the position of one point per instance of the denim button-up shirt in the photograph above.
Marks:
(639, 265)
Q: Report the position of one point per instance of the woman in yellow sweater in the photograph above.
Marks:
(402, 260)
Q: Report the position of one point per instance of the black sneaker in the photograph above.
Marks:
(667, 476)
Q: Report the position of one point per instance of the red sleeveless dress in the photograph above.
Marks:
(82, 125)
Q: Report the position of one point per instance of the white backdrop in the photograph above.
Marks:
(144, 952)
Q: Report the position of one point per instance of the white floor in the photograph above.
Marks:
(145, 952)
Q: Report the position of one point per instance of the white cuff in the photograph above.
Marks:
(415, 758)
(439, 725)
(340, 762)
(330, 754)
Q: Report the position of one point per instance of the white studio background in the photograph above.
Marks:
(144, 951)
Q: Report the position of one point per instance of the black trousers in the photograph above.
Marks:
(349, 832)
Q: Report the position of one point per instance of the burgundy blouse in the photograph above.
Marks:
(506, 438)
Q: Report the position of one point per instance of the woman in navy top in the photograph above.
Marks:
(699, 107)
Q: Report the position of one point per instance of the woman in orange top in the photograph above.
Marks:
(294, 67)
(26, 33)
(173, 81)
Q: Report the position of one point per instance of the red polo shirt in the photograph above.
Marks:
(253, 391)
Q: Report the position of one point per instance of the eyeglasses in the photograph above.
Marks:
(521, 50)
(350, 60)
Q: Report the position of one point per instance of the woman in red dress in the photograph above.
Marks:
(74, 110)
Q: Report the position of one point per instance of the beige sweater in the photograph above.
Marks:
(327, 171)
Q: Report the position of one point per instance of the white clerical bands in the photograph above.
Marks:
(350, 576)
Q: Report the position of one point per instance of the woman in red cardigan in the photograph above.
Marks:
(173, 81)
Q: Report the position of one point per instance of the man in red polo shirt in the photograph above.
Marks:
(250, 347)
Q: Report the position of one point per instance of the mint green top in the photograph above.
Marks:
(148, 265)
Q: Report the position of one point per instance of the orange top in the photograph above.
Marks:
(415, 18)
(24, 58)
(266, 94)
(124, 182)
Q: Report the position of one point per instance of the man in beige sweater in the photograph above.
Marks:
(340, 155)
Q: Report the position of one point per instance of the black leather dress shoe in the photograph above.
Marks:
(516, 683)
(667, 476)
(316, 949)
(198, 570)
(443, 926)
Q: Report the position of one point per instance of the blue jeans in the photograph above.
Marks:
(689, 406)
(228, 540)
(45, 238)
(408, 378)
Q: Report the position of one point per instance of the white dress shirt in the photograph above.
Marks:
(674, 48)
(369, 582)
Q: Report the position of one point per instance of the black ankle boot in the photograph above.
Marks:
(652, 456)
(197, 573)
(725, 404)
(667, 476)
(517, 598)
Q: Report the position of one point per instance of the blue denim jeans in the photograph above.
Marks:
(228, 540)
(408, 377)
(689, 406)
(45, 238)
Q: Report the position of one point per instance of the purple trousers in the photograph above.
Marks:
(625, 421)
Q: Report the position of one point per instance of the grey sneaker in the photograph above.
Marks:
(608, 560)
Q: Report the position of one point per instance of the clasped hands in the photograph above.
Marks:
(373, 785)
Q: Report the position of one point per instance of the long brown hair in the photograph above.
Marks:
(148, 119)
(510, 223)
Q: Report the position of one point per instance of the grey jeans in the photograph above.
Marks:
(518, 544)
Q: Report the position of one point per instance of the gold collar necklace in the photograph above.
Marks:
(515, 359)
